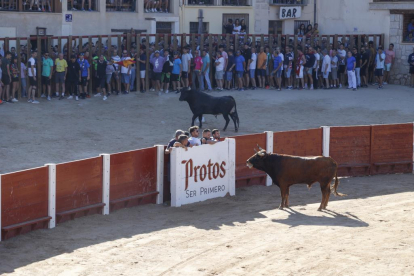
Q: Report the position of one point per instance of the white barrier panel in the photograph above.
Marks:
(203, 172)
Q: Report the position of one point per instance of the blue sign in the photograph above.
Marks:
(68, 17)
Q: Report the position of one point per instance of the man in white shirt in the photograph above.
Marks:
(252, 68)
(219, 63)
(316, 67)
(125, 72)
(32, 79)
(379, 66)
(194, 140)
(326, 67)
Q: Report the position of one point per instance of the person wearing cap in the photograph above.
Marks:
(84, 76)
(158, 62)
(176, 72)
(73, 73)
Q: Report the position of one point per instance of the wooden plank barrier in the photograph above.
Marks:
(245, 146)
(78, 189)
(301, 142)
(133, 178)
(167, 177)
(351, 149)
(24, 202)
(392, 149)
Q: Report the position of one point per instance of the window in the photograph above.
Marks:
(121, 5)
(235, 16)
(297, 25)
(194, 28)
(31, 5)
(200, 2)
(236, 3)
(408, 28)
(82, 5)
(162, 6)
(275, 27)
(289, 2)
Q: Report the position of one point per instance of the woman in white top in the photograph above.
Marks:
(236, 27)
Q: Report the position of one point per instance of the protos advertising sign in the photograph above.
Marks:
(203, 172)
(290, 12)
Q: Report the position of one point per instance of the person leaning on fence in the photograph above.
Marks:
(72, 80)
(84, 76)
(216, 135)
(207, 139)
(194, 133)
(288, 65)
(182, 142)
(60, 75)
(171, 143)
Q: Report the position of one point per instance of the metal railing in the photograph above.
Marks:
(289, 2)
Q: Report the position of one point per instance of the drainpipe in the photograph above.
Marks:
(314, 12)
(200, 24)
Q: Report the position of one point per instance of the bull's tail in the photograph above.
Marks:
(233, 112)
(335, 186)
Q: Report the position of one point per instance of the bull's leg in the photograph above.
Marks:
(200, 118)
(287, 198)
(325, 189)
(233, 117)
(226, 117)
(283, 195)
(194, 117)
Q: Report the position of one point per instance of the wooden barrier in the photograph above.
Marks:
(351, 149)
(392, 149)
(301, 143)
(78, 189)
(167, 177)
(133, 178)
(245, 146)
(24, 202)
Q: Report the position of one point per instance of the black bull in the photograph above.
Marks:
(286, 170)
(201, 103)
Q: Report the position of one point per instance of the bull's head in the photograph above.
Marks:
(257, 160)
(185, 94)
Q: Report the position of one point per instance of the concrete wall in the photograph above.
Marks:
(87, 23)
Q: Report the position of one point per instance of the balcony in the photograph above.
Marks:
(391, 5)
(289, 2)
(218, 2)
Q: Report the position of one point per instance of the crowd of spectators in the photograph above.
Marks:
(156, 6)
(190, 138)
(240, 65)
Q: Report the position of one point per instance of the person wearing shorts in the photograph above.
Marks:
(299, 68)
(334, 69)
(277, 68)
(142, 68)
(240, 65)
(6, 76)
(379, 66)
(288, 64)
(47, 69)
(389, 61)
(32, 78)
(176, 72)
(310, 62)
(166, 71)
(126, 72)
(60, 76)
(73, 77)
(219, 63)
(185, 59)
(326, 67)
(84, 77)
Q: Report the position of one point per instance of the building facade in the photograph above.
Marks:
(66, 18)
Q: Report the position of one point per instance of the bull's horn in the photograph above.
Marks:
(255, 150)
(261, 153)
(259, 147)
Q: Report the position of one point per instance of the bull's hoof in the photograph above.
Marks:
(320, 209)
(280, 207)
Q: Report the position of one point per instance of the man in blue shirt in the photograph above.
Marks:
(205, 71)
(84, 77)
(277, 71)
(240, 68)
(176, 72)
(350, 66)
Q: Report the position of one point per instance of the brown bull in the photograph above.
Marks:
(286, 170)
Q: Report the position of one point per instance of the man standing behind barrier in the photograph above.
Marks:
(379, 66)
(84, 77)
(216, 135)
(172, 141)
(389, 62)
(186, 59)
(351, 65)
(125, 72)
(74, 72)
(6, 76)
(32, 79)
(142, 68)
(47, 66)
(158, 63)
(205, 71)
(411, 63)
(60, 76)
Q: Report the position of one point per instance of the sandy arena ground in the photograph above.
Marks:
(369, 232)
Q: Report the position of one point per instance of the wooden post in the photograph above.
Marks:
(80, 46)
(39, 65)
(352, 41)
(193, 47)
(70, 42)
(100, 45)
(295, 53)
(19, 64)
(91, 68)
(236, 42)
(175, 42)
(183, 41)
(6, 45)
(59, 45)
(262, 44)
(109, 54)
(359, 43)
(119, 49)
(343, 39)
(228, 42)
(156, 41)
(138, 64)
(271, 39)
(328, 40)
(383, 41)
(29, 49)
(147, 64)
(210, 49)
(201, 43)
(166, 42)
(128, 43)
(279, 40)
(335, 42)
(375, 43)
(303, 43)
(253, 42)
